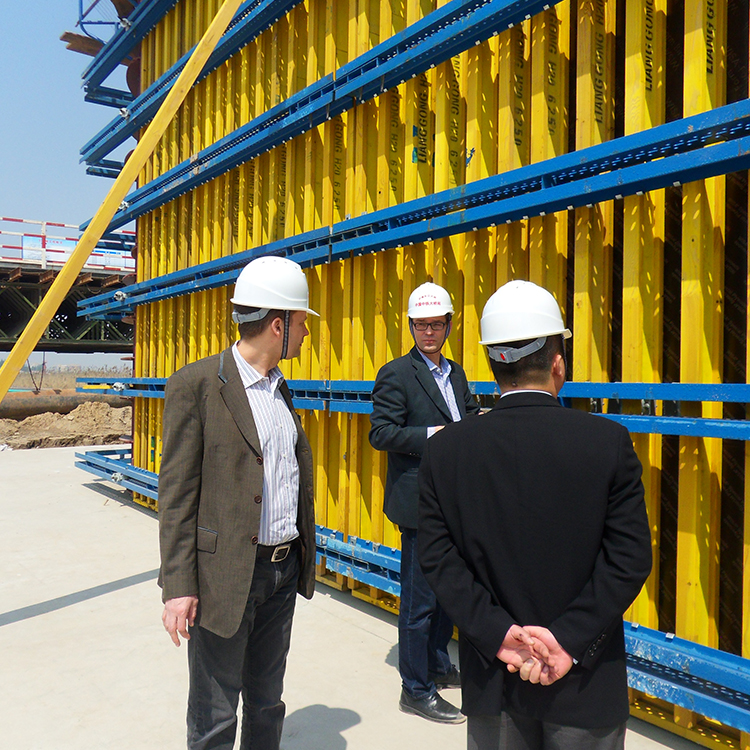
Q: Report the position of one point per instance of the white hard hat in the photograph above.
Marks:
(521, 310)
(429, 301)
(272, 283)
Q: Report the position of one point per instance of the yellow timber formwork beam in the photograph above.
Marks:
(595, 120)
(703, 209)
(643, 262)
(446, 261)
(745, 736)
(130, 171)
(514, 135)
(550, 63)
(481, 95)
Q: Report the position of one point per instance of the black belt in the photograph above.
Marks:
(277, 552)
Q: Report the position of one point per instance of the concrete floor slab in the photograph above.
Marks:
(86, 664)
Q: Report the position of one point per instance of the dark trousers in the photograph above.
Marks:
(424, 630)
(252, 661)
(511, 731)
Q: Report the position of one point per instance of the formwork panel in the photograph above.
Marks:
(644, 297)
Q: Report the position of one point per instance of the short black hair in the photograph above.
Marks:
(255, 327)
(529, 369)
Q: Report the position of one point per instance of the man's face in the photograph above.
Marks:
(430, 341)
(297, 332)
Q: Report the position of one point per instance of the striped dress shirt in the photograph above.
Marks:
(442, 375)
(278, 442)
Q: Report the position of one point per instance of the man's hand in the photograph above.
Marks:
(179, 613)
(559, 661)
(524, 653)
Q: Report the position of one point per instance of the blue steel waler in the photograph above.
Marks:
(144, 17)
(657, 158)
(353, 397)
(445, 32)
(252, 19)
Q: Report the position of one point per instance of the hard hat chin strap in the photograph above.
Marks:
(286, 334)
(509, 354)
(249, 317)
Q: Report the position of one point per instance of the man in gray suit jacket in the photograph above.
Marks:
(236, 515)
(415, 396)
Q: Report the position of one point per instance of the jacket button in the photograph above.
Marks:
(254, 540)
(257, 498)
(259, 460)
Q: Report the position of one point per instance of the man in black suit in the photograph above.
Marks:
(532, 526)
(414, 397)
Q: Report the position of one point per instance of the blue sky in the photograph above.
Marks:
(43, 118)
(44, 122)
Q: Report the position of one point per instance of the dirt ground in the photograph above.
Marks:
(89, 424)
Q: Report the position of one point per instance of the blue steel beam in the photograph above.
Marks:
(528, 191)
(108, 97)
(354, 397)
(389, 63)
(445, 32)
(253, 17)
(713, 683)
(143, 18)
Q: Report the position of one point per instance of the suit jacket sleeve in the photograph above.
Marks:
(621, 568)
(389, 430)
(482, 621)
(179, 489)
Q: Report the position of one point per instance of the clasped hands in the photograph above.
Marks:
(535, 654)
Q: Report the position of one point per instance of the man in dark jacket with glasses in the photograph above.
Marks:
(415, 396)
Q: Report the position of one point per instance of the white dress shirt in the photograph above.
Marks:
(442, 375)
(278, 442)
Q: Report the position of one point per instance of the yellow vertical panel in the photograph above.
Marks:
(592, 325)
(514, 127)
(388, 138)
(393, 19)
(703, 208)
(317, 277)
(745, 736)
(357, 203)
(550, 62)
(419, 153)
(445, 256)
(139, 456)
(482, 119)
(643, 262)
(295, 153)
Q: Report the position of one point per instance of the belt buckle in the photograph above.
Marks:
(281, 553)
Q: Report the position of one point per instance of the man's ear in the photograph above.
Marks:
(277, 326)
(558, 367)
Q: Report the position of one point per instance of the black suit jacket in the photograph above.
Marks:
(533, 514)
(210, 474)
(405, 401)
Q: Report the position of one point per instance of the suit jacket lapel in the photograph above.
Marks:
(458, 392)
(427, 381)
(234, 396)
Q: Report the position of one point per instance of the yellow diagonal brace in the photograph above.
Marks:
(69, 273)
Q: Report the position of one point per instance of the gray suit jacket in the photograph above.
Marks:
(210, 485)
(405, 401)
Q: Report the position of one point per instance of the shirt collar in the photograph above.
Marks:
(250, 376)
(443, 368)
(525, 390)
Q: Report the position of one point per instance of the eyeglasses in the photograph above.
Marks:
(436, 325)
